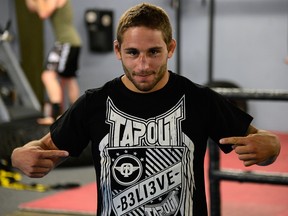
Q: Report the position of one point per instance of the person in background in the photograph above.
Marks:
(59, 75)
(148, 128)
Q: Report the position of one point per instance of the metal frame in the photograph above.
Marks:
(29, 102)
(216, 174)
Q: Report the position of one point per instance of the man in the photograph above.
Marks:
(148, 128)
(62, 60)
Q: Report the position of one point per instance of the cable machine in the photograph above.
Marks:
(17, 99)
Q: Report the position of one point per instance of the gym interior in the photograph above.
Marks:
(225, 44)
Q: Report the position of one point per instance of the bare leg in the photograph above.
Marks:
(55, 95)
(73, 90)
(52, 85)
(72, 87)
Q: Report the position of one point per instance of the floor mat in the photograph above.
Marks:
(80, 201)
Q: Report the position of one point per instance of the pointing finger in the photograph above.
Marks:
(50, 154)
(232, 140)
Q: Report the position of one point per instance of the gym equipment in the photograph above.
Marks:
(19, 107)
(216, 174)
(17, 99)
(99, 24)
(242, 104)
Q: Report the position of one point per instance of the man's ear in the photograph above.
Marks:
(171, 48)
(117, 49)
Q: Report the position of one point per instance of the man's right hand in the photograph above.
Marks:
(36, 162)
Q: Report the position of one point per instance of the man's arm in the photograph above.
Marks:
(37, 158)
(259, 147)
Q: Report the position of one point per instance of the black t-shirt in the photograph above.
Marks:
(148, 149)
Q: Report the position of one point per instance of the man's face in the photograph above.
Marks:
(144, 57)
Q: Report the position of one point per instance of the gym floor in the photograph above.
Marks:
(11, 198)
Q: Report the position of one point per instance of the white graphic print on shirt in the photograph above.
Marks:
(147, 164)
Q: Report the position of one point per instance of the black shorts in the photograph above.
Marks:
(63, 58)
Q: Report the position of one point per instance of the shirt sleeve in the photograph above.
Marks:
(69, 132)
(226, 120)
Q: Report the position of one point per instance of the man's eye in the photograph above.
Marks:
(154, 52)
(132, 52)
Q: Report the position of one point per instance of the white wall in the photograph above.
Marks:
(250, 47)
(250, 44)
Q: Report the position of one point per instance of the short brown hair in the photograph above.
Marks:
(146, 15)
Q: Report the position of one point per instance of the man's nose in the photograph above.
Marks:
(143, 62)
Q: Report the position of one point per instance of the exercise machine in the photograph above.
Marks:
(17, 99)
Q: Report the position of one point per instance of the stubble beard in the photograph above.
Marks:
(146, 87)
